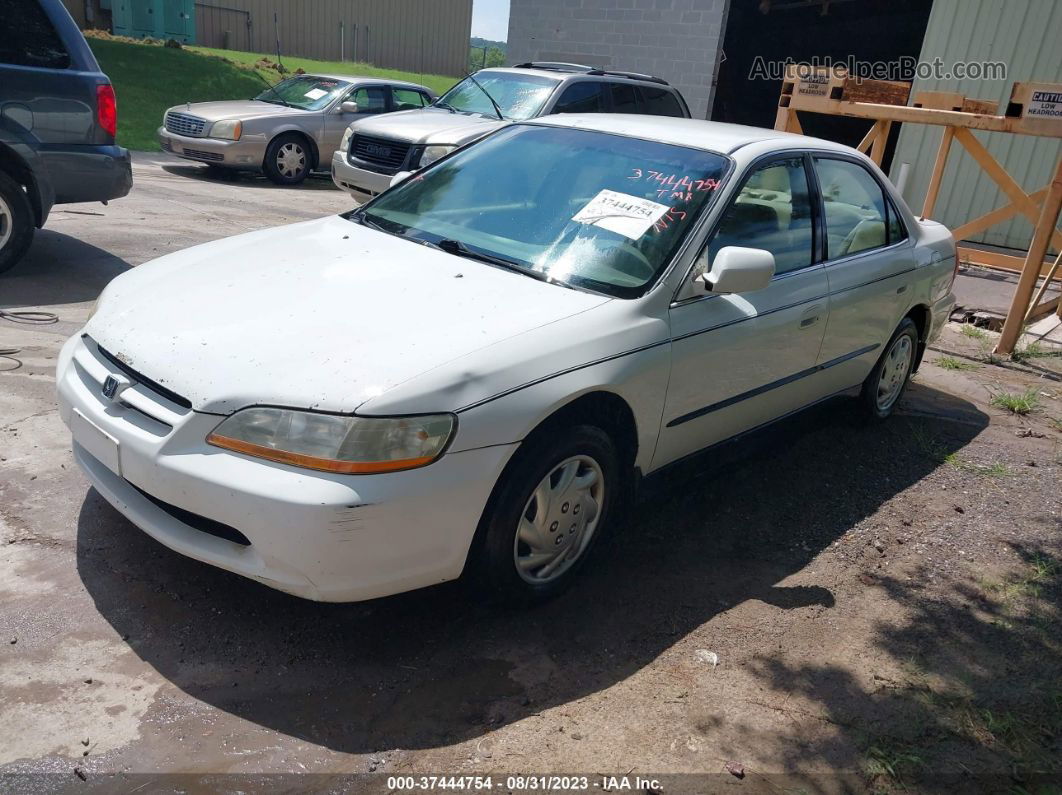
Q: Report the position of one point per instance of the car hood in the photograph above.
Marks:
(324, 314)
(430, 125)
(235, 109)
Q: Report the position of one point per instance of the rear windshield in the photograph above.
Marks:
(306, 92)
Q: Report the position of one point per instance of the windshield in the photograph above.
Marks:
(519, 96)
(587, 209)
(305, 92)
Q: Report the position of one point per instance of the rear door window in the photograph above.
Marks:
(625, 98)
(582, 97)
(854, 206)
(407, 99)
(371, 99)
(660, 102)
(27, 37)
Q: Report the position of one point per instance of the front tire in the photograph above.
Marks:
(888, 380)
(287, 159)
(552, 507)
(16, 222)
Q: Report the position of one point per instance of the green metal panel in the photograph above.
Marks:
(159, 19)
(1024, 34)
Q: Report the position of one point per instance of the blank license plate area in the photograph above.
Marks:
(96, 441)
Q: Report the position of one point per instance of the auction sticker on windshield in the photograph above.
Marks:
(315, 93)
(621, 213)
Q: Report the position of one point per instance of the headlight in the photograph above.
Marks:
(335, 443)
(344, 144)
(434, 152)
(229, 129)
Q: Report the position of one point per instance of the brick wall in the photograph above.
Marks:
(677, 40)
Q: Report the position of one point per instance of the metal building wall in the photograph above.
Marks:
(417, 35)
(1025, 35)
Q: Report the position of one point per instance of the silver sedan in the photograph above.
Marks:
(288, 130)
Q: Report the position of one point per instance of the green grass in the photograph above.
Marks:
(970, 330)
(952, 363)
(149, 78)
(1020, 403)
(438, 83)
(1034, 350)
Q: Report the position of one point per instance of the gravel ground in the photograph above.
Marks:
(827, 607)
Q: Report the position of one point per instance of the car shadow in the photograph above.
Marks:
(249, 179)
(435, 667)
(58, 269)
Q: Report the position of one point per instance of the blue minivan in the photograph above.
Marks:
(58, 119)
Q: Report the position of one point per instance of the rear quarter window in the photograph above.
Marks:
(625, 99)
(660, 102)
(583, 97)
(27, 37)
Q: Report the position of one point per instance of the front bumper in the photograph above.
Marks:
(313, 534)
(248, 152)
(360, 183)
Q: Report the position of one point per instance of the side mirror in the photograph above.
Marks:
(348, 107)
(401, 175)
(739, 270)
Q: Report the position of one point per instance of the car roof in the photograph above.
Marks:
(713, 136)
(370, 81)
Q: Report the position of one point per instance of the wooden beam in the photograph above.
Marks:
(1045, 225)
(877, 151)
(868, 139)
(997, 216)
(947, 118)
(1035, 305)
(1005, 181)
(938, 172)
(998, 261)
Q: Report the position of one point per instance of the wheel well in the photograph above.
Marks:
(607, 411)
(310, 143)
(16, 168)
(920, 315)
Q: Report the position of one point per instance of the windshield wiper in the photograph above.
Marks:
(359, 217)
(269, 86)
(492, 102)
(440, 104)
(459, 249)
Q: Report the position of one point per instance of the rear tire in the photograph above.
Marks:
(551, 509)
(288, 159)
(16, 222)
(888, 380)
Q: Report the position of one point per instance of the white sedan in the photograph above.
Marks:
(469, 373)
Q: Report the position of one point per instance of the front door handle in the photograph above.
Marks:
(811, 317)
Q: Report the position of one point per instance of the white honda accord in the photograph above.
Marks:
(469, 373)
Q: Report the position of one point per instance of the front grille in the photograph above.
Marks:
(380, 151)
(201, 155)
(169, 394)
(183, 124)
(200, 523)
